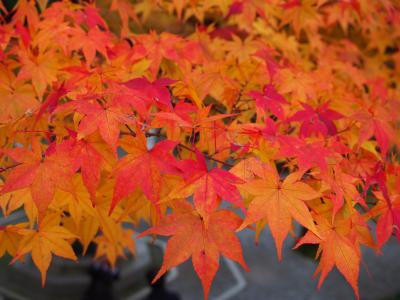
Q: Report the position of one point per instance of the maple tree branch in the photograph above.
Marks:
(133, 133)
(207, 156)
(147, 134)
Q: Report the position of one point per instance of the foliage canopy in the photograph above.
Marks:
(202, 118)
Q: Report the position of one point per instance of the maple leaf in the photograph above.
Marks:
(49, 239)
(187, 116)
(16, 97)
(26, 10)
(344, 187)
(300, 14)
(51, 101)
(384, 134)
(302, 85)
(343, 13)
(42, 176)
(375, 121)
(316, 121)
(270, 100)
(155, 92)
(126, 11)
(9, 239)
(81, 218)
(158, 47)
(91, 17)
(174, 120)
(337, 250)
(197, 122)
(204, 243)
(3, 8)
(215, 139)
(308, 154)
(99, 114)
(377, 176)
(90, 156)
(389, 217)
(42, 68)
(206, 185)
(279, 202)
(112, 249)
(10, 202)
(267, 55)
(95, 40)
(142, 168)
(88, 228)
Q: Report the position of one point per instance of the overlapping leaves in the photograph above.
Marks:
(280, 111)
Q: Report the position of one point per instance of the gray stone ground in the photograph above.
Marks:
(292, 278)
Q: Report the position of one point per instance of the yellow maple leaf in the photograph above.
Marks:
(50, 238)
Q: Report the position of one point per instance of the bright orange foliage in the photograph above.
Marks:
(284, 110)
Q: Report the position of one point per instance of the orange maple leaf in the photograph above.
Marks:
(337, 249)
(9, 239)
(279, 202)
(191, 238)
(17, 98)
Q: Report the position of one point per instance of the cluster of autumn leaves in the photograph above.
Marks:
(277, 111)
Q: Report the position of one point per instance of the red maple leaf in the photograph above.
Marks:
(270, 100)
(143, 168)
(207, 185)
(42, 174)
(316, 121)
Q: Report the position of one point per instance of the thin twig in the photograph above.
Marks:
(157, 134)
(3, 169)
(130, 130)
(147, 134)
(207, 156)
